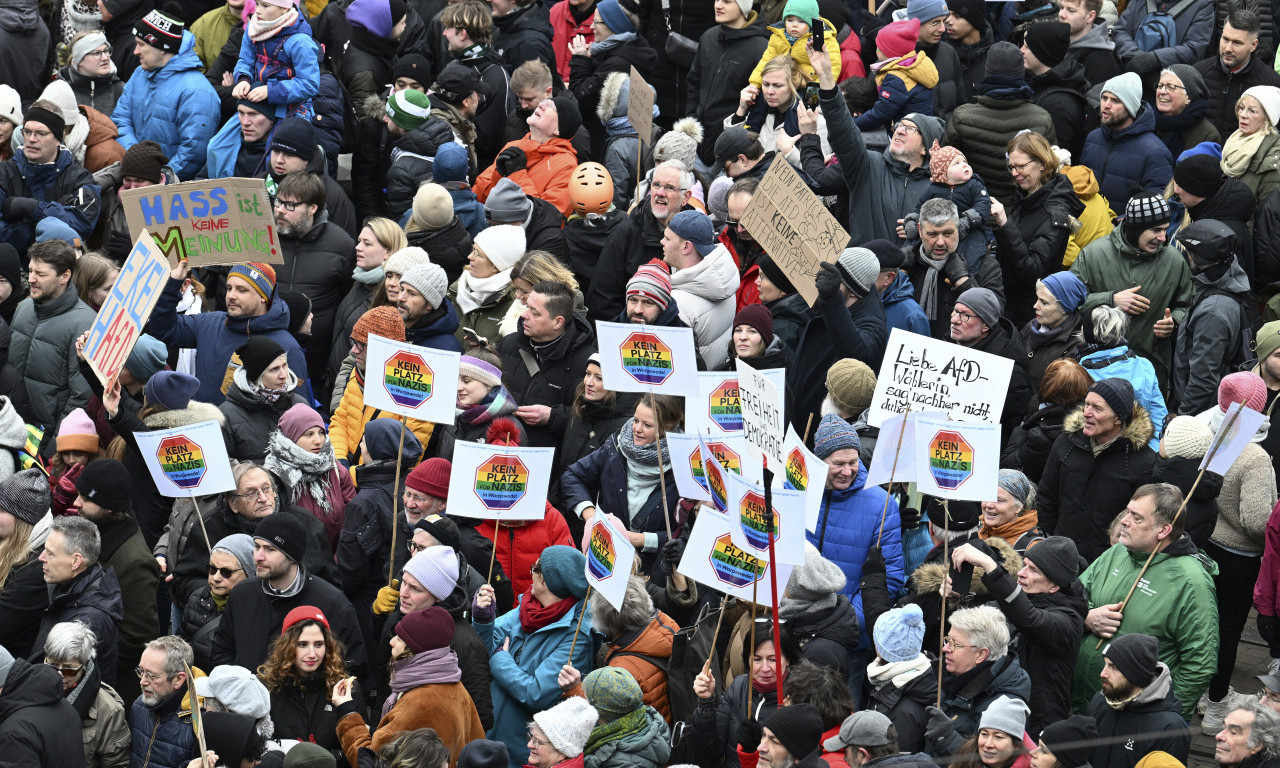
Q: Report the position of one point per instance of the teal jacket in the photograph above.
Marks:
(649, 748)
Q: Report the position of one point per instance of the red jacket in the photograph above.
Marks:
(748, 291)
(834, 759)
(851, 58)
(564, 29)
(1266, 594)
(520, 544)
(549, 166)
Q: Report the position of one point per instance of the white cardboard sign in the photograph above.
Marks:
(412, 381)
(930, 375)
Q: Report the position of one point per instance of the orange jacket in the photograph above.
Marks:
(546, 174)
(654, 640)
(520, 544)
(101, 147)
(446, 707)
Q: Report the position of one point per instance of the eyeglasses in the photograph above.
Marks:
(67, 670)
(1020, 167)
(536, 570)
(288, 205)
(101, 53)
(358, 346)
(964, 316)
(1169, 87)
(1270, 695)
(30, 134)
(151, 676)
(906, 128)
(947, 642)
(535, 741)
(409, 496)
(415, 548)
(254, 493)
(666, 187)
(226, 572)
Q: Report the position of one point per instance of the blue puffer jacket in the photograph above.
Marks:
(288, 62)
(216, 336)
(1122, 363)
(173, 106)
(848, 525)
(162, 737)
(439, 333)
(900, 307)
(524, 676)
(224, 149)
(1129, 159)
(65, 190)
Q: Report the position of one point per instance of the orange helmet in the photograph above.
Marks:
(590, 189)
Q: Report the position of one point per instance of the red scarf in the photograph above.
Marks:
(535, 616)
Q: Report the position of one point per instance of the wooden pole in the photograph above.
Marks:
(755, 584)
(707, 666)
(197, 718)
(942, 623)
(395, 498)
(662, 473)
(574, 644)
(807, 426)
(885, 512)
(494, 553)
(203, 529)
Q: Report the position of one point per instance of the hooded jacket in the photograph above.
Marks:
(904, 701)
(649, 747)
(520, 544)
(1247, 497)
(833, 333)
(42, 348)
(1095, 221)
(828, 635)
(1225, 88)
(905, 85)
(1208, 339)
(549, 166)
(94, 598)
(93, 140)
(587, 74)
(173, 106)
(553, 377)
(900, 307)
(1155, 715)
(288, 62)
(1033, 242)
(653, 640)
(35, 720)
(983, 128)
(1124, 363)
(1128, 158)
(725, 56)
(1177, 605)
(705, 294)
(1096, 53)
(798, 50)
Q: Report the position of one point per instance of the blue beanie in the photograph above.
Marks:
(834, 434)
(51, 228)
(1210, 148)
(382, 437)
(613, 17)
(171, 389)
(899, 633)
(1068, 289)
(450, 163)
(563, 569)
(148, 358)
(926, 10)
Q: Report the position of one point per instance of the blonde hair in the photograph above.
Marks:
(1036, 147)
(536, 266)
(785, 63)
(15, 549)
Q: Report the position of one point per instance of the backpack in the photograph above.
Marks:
(1241, 351)
(1159, 29)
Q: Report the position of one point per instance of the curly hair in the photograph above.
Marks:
(281, 664)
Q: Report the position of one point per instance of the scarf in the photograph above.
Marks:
(897, 673)
(368, 276)
(790, 607)
(599, 47)
(301, 469)
(630, 724)
(1005, 87)
(293, 589)
(1042, 334)
(436, 666)
(643, 455)
(497, 403)
(220, 601)
(260, 30)
(929, 285)
(475, 292)
(1011, 530)
(534, 615)
(953, 683)
(620, 126)
(1239, 150)
(262, 394)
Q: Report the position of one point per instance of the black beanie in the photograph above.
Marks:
(1200, 175)
(570, 119)
(51, 119)
(1119, 396)
(399, 9)
(284, 532)
(1057, 558)
(1069, 740)
(1048, 41)
(1136, 656)
(106, 483)
(415, 67)
(890, 255)
(798, 728)
(256, 355)
(775, 274)
(295, 136)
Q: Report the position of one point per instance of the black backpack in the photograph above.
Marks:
(1250, 322)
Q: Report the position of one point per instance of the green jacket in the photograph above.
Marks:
(211, 32)
(127, 553)
(1262, 177)
(1176, 603)
(1109, 265)
(486, 319)
(649, 748)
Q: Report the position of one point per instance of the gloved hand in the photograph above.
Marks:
(387, 598)
(1143, 63)
(955, 269)
(910, 518)
(749, 734)
(970, 221)
(1267, 626)
(65, 493)
(118, 245)
(827, 280)
(19, 208)
(939, 730)
(672, 551)
(874, 562)
(911, 225)
(510, 160)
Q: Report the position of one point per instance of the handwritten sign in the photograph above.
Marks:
(711, 558)
(640, 107)
(933, 375)
(219, 221)
(187, 461)
(123, 315)
(1228, 444)
(499, 482)
(718, 409)
(412, 381)
(647, 358)
(761, 404)
(793, 227)
(610, 557)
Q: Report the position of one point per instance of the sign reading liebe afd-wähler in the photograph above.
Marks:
(412, 381)
(931, 375)
(187, 461)
(123, 315)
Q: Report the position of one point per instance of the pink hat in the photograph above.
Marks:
(1245, 386)
(298, 419)
(77, 433)
(899, 38)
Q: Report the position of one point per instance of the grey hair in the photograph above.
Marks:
(1265, 731)
(686, 175)
(80, 537)
(177, 653)
(939, 212)
(985, 627)
(637, 611)
(1040, 284)
(1110, 324)
(71, 641)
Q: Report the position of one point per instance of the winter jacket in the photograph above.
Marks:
(1262, 176)
(1178, 606)
(721, 69)
(64, 190)
(1033, 241)
(1096, 52)
(1045, 347)
(101, 93)
(126, 553)
(486, 318)
(564, 27)
(367, 56)
(547, 376)
(900, 308)
(1123, 363)
(350, 309)
(1128, 158)
(904, 702)
(1111, 264)
(524, 675)
(1233, 205)
(629, 652)
(223, 155)
(1188, 128)
(1225, 88)
(199, 623)
(1062, 93)
(211, 32)
(216, 336)
(833, 333)
(318, 264)
(173, 106)
(705, 294)
(1208, 339)
(520, 544)
(386, 171)
(790, 316)
(586, 433)
(716, 721)
(779, 45)
(827, 636)
(549, 165)
(689, 18)
(346, 428)
(450, 245)
(1201, 516)
(163, 736)
(104, 728)
(1193, 25)
(648, 748)
(93, 596)
(1095, 221)
(43, 350)
(300, 709)
(1028, 446)
(995, 678)
(635, 240)
(1003, 341)
(1080, 493)
(1266, 241)
(904, 85)
(983, 128)
(24, 49)
(524, 34)
(288, 63)
(250, 422)
(500, 100)
(444, 707)
(1155, 715)
(93, 140)
(37, 725)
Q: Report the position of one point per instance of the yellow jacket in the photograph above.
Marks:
(1095, 222)
(778, 46)
(346, 428)
(921, 70)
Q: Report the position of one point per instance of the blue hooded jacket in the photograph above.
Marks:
(900, 307)
(174, 106)
(1132, 158)
(288, 62)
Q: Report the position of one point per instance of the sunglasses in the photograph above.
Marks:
(67, 670)
(225, 572)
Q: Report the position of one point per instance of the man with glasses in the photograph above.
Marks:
(69, 650)
(977, 322)
(163, 736)
(744, 248)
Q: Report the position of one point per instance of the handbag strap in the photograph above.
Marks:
(666, 14)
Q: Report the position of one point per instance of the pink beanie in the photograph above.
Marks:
(77, 433)
(1245, 386)
(298, 419)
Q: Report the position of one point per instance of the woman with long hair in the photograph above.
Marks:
(771, 109)
(95, 275)
(24, 526)
(482, 403)
(300, 454)
(378, 239)
(1252, 152)
(533, 268)
(305, 663)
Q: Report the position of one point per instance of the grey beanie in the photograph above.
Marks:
(984, 304)
(929, 126)
(816, 580)
(239, 546)
(1005, 59)
(858, 269)
(507, 203)
(1126, 87)
(429, 280)
(1018, 486)
(26, 495)
(6, 661)
(1191, 80)
(1006, 714)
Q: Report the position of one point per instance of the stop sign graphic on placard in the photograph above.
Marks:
(646, 358)
(950, 459)
(408, 379)
(501, 481)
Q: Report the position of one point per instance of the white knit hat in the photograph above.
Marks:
(1269, 97)
(568, 725)
(406, 259)
(1186, 437)
(502, 245)
(10, 105)
(59, 93)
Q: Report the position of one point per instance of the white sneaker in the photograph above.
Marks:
(1214, 715)
(1202, 703)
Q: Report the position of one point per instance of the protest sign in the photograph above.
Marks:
(686, 466)
(412, 381)
(931, 375)
(954, 459)
(648, 358)
(218, 221)
(718, 410)
(610, 556)
(711, 558)
(1228, 444)
(499, 482)
(761, 406)
(750, 526)
(640, 107)
(805, 472)
(793, 227)
(187, 461)
(900, 427)
(119, 322)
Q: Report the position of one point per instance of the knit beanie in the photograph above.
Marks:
(798, 728)
(106, 483)
(25, 495)
(817, 580)
(480, 370)
(1008, 715)
(568, 117)
(149, 357)
(11, 106)
(652, 281)
(972, 11)
(380, 321)
(1135, 656)
(144, 160)
(295, 136)
(1267, 340)
(926, 10)
(775, 275)
(1048, 41)
(260, 277)
(834, 434)
(695, 227)
(1144, 211)
(237, 689)
(1269, 97)
(304, 754)
(1191, 80)
(613, 17)
(1004, 60)
(507, 203)
(805, 10)
(298, 419)
(171, 389)
(1199, 175)
(1016, 484)
(6, 662)
(59, 94)
(563, 571)
(613, 691)
(299, 306)
(451, 163)
(759, 317)
(1242, 385)
(1211, 148)
(899, 633)
(239, 546)
(568, 725)
(1069, 740)
(850, 383)
(284, 532)
(408, 108)
(405, 259)
(160, 30)
(1057, 558)
(77, 433)
(413, 66)
(930, 127)
(1068, 289)
(429, 280)
(430, 477)
(426, 630)
(257, 354)
(432, 207)
(681, 142)
(502, 245)
(1118, 394)
(483, 753)
(436, 569)
(858, 269)
(898, 38)
(940, 159)
(984, 303)
(303, 613)
(1186, 437)
(48, 114)
(442, 529)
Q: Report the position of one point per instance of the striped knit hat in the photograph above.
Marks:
(479, 370)
(261, 276)
(834, 434)
(652, 281)
(409, 108)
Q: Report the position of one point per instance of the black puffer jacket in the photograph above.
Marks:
(584, 241)
(560, 367)
(523, 35)
(449, 247)
(1033, 241)
(827, 636)
(37, 725)
(1202, 510)
(545, 230)
(1029, 444)
(721, 69)
(250, 422)
(353, 305)
(386, 172)
(101, 93)
(94, 598)
(318, 264)
(1225, 87)
(906, 707)
(199, 621)
(300, 709)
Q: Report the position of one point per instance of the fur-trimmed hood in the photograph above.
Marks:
(194, 413)
(929, 577)
(1138, 431)
(612, 100)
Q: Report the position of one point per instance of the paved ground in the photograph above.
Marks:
(1251, 660)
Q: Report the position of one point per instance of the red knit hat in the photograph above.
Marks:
(304, 613)
(431, 477)
(426, 630)
(899, 38)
